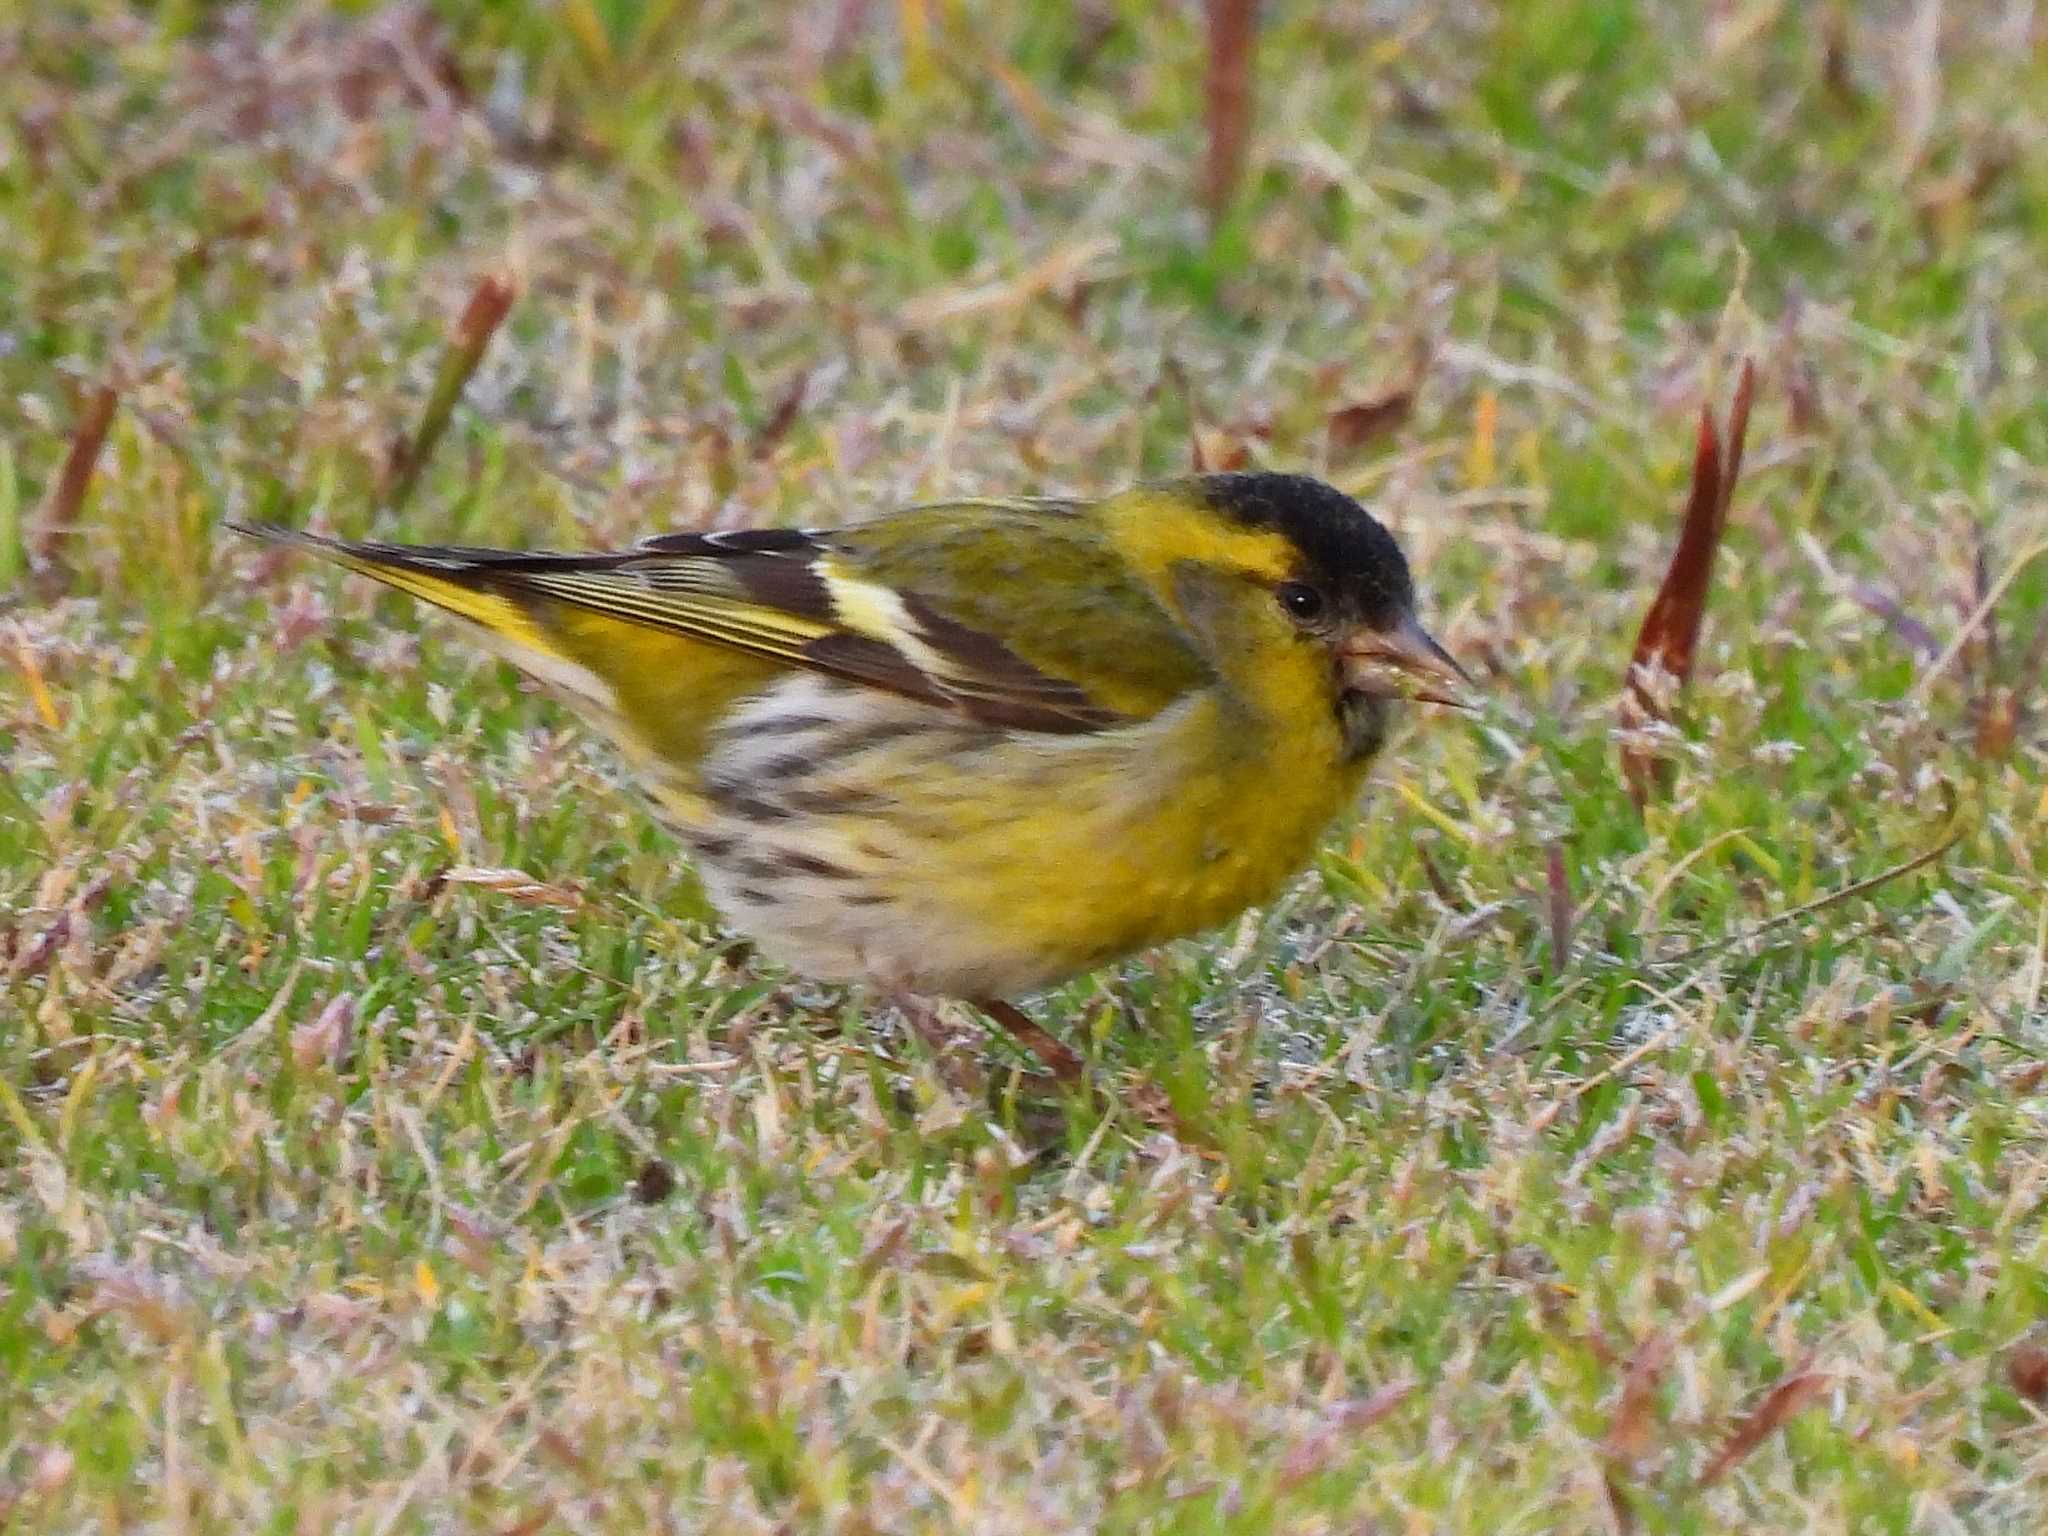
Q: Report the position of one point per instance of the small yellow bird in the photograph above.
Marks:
(972, 748)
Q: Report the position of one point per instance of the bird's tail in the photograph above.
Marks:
(657, 693)
(477, 585)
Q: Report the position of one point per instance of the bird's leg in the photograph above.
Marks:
(1068, 1069)
(1053, 1054)
(955, 1063)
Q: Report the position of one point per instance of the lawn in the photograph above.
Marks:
(390, 1139)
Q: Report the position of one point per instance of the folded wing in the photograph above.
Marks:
(1014, 614)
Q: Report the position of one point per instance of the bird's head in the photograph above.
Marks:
(1251, 549)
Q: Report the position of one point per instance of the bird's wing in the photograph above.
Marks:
(1012, 613)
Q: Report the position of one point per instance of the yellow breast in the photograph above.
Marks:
(1197, 820)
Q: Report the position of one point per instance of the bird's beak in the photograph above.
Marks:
(1404, 662)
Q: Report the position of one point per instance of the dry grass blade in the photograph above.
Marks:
(1175, 377)
(533, 1524)
(1227, 104)
(1978, 614)
(1874, 599)
(35, 957)
(1628, 1431)
(60, 512)
(134, 1294)
(1668, 643)
(2026, 1370)
(515, 885)
(1559, 883)
(1998, 723)
(327, 1037)
(1210, 448)
(1791, 1394)
(1315, 1453)
(1995, 707)
(1804, 401)
(1352, 427)
(481, 317)
(1621, 1510)
(31, 668)
(1055, 272)
(784, 416)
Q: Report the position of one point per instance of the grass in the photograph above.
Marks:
(352, 1189)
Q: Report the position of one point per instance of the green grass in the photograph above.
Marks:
(336, 1195)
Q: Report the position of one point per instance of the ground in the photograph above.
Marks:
(394, 1142)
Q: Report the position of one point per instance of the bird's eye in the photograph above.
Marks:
(1301, 601)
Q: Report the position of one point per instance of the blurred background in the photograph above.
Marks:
(799, 260)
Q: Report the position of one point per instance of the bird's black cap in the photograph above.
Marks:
(1345, 552)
